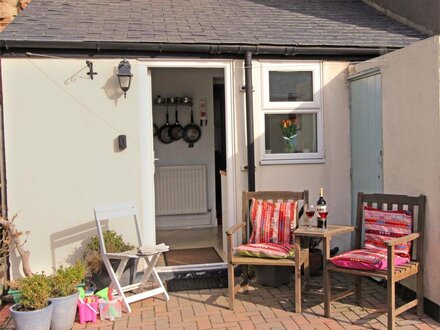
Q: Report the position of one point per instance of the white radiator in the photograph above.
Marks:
(181, 190)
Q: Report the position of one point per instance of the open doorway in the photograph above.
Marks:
(186, 166)
(220, 142)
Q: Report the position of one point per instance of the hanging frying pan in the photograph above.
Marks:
(164, 131)
(191, 132)
(176, 130)
(155, 129)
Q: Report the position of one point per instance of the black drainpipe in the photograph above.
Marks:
(249, 120)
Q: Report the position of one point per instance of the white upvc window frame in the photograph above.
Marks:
(293, 107)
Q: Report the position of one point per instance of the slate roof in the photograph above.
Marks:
(332, 23)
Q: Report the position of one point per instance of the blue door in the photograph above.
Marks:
(366, 134)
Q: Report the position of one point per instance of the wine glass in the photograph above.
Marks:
(310, 212)
(323, 215)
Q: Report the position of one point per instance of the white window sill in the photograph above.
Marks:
(292, 161)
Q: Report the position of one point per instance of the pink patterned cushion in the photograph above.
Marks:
(266, 250)
(381, 226)
(366, 259)
(272, 222)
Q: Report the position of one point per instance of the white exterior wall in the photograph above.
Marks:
(61, 157)
(411, 135)
(333, 174)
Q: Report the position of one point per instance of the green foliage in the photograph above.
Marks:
(114, 243)
(35, 292)
(65, 279)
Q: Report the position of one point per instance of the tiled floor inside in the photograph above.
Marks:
(262, 308)
(187, 238)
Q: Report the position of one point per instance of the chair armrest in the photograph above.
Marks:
(234, 228)
(403, 239)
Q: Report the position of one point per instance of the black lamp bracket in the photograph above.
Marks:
(90, 73)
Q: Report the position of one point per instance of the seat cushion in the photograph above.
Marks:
(366, 259)
(272, 222)
(266, 250)
(381, 226)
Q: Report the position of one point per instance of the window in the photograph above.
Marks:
(291, 113)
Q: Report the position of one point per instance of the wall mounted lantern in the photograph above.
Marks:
(124, 76)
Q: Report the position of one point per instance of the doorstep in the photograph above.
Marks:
(194, 277)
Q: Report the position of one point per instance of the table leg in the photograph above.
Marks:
(326, 275)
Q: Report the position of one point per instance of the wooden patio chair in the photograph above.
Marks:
(150, 254)
(274, 198)
(401, 261)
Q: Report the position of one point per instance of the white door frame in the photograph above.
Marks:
(146, 138)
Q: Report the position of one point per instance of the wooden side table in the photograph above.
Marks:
(326, 236)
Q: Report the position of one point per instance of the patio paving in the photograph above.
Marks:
(263, 308)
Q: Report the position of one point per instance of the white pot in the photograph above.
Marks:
(32, 320)
(64, 311)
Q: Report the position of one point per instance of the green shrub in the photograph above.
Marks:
(65, 279)
(35, 292)
(114, 243)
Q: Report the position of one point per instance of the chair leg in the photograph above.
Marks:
(358, 288)
(306, 271)
(160, 283)
(327, 294)
(391, 303)
(420, 298)
(326, 275)
(298, 289)
(115, 285)
(231, 286)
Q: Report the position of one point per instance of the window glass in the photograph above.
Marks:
(290, 133)
(290, 86)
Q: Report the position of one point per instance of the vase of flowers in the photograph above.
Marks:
(289, 129)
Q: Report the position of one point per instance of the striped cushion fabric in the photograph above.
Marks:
(366, 259)
(272, 222)
(381, 226)
(266, 250)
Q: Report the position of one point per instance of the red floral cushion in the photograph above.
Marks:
(381, 226)
(272, 222)
(366, 259)
(266, 250)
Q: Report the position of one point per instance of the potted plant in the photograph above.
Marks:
(64, 295)
(34, 309)
(114, 243)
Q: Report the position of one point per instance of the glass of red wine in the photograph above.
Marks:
(310, 212)
(323, 215)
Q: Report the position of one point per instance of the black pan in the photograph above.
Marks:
(164, 131)
(176, 130)
(191, 132)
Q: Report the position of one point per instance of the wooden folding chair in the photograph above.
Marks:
(301, 257)
(392, 274)
(109, 212)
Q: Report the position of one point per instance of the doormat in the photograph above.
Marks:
(191, 256)
(187, 284)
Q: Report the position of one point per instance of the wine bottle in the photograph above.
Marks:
(321, 206)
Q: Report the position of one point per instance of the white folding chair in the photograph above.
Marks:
(108, 212)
